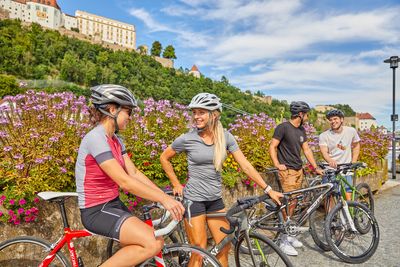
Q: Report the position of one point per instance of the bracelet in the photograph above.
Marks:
(267, 189)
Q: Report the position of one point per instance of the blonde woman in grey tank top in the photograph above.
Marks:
(206, 148)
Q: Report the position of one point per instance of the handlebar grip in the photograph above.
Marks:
(227, 231)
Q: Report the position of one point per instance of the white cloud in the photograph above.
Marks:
(185, 38)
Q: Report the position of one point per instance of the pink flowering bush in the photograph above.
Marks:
(39, 137)
(253, 134)
(151, 132)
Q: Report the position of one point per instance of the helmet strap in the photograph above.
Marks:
(113, 117)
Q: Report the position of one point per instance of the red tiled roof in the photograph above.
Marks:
(365, 116)
(194, 68)
(52, 3)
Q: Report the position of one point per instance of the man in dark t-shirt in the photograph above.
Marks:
(288, 141)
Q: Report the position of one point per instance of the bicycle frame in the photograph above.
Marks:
(66, 238)
(69, 234)
(304, 215)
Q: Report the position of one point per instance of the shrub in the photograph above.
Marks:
(40, 134)
(8, 86)
(151, 132)
(374, 147)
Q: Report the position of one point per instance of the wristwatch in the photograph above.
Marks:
(267, 189)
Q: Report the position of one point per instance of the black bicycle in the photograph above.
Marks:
(350, 228)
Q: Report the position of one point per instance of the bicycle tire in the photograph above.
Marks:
(178, 255)
(28, 251)
(334, 223)
(317, 221)
(268, 252)
(364, 196)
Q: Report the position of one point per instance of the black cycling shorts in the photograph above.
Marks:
(203, 207)
(106, 219)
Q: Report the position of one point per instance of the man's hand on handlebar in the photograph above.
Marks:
(275, 195)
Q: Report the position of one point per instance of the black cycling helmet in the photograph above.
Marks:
(299, 106)
(111, 93)
(334, 113)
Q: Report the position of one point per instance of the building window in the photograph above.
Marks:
(38, 8)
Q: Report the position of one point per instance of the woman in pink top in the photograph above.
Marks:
(102, 167)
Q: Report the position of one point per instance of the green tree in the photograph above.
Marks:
(142, 50)
(156, 48)
(347, 110)
(8, 85)
(169, 52)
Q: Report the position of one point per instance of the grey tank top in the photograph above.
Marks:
(204, 182)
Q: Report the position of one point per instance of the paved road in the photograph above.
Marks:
(387, 213)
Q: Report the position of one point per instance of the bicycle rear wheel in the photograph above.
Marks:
(28, 251)
(364, 196)
(265, 252)
(355, 246)
(179, 255)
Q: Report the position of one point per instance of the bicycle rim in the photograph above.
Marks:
(355, 246)
(179, 255)
(264, 252)
(28, 251)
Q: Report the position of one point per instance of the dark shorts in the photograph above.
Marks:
(106, 219)
(204, 207)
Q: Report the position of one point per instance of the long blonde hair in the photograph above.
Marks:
(218, 136)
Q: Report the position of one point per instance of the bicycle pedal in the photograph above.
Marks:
(80, 262)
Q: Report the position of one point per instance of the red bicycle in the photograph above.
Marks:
(33, 251)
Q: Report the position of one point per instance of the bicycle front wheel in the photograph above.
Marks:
(356, 246)
(179, 255)
(28, 251)
(263, 252)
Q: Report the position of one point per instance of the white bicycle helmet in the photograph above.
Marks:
(111, 93)
(206, 101)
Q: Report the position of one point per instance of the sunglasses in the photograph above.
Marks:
(128, 111)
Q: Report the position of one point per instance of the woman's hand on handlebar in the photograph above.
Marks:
(174, 207)
(275, 196)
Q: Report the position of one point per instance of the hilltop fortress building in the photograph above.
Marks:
(48, 14)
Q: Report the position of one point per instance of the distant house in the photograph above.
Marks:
(365, 121)
(195, 71)
(323, 108)
(383, 129)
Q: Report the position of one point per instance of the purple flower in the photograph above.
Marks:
(39, 160)
(20, 210)
(63, 169)
(34, 135)
(12, 201)
(7, 148)
(22, 202)
(1, 213)
(19, 166)
(36, 200)
(3, 134)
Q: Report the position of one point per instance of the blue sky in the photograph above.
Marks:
(322, 52)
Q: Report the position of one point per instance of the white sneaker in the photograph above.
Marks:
(294, 242)
(287, 248)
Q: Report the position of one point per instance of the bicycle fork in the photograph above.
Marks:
(345, 215)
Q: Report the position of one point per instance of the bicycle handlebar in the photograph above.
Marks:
(241, 205)
(344, 166)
